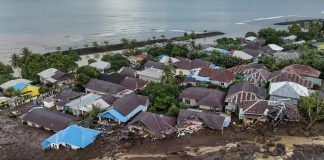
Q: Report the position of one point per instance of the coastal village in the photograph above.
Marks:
(171, 89)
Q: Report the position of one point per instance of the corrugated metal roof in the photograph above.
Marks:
(100, 65)
(83, 101)
(73, 135)
(12, 83)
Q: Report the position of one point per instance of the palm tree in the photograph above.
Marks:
(25, 54)
(15, 62)
(106, 43)
(163, 36)
(169, 71)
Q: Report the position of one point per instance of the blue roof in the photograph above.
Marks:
(73, 135)
(161, 56)
(199, 78)
(19, 86)
(117, 116)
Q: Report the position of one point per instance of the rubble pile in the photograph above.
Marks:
(189, 127)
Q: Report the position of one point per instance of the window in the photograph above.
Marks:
(187, 101)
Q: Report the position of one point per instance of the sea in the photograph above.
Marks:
(44, 25)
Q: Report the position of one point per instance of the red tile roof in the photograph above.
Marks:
(302, 70)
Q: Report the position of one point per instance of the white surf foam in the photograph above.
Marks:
(269, 18)
(322, 12)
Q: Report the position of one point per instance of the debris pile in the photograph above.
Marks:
(189, 127)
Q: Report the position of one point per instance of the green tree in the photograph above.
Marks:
(106, 44)
(169, 71)
(11, 92)
(228, 43)
(91, 61)
(313, 107)
(251, 34)
(117, 61)
(223, 60)
(95, 45)
(95, 111)
(173, 110)
(294, 29)
(84, 74)
(161, 95)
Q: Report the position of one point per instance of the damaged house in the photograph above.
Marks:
(207, 99)
(152, 125)
(250, 111)
(243, 91)
(190, 121)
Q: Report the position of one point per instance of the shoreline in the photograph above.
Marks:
(120, 46)
(298, 21)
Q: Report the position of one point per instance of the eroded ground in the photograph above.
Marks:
(18, 141)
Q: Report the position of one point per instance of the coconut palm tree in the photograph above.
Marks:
(15, 61)
(25, 54)
(169, 71)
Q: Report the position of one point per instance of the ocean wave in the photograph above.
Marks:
(269, 18)
(176, 30)
(103, 34)
(159, 30)
(322, 12)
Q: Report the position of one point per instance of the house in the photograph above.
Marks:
(258, 77)
(255, 53)
(242, 55)
(246, 69)
(127, 71)
(187, 66)
(250, 111)
(133, 83)
(112, 77)
(207, 99)
(100, 103)
(151, 75)
(164, 59)
(319, 45)
(271, 48)
(220, 77)
(282, 76)
(289, 92)
(289, 39)
(48, 119)
(12, 83)
(152, 64)
(65, 97)
(189, 81)
(243, 91)
(153, 125)
(213, 120)
(303, 70)
(26, 89)
(101, 87)
(53, 76)
(250, 39)
(101, 66)
(74, 137)
(137, 59)
(4, 101)
(75, 106)
(289, 55)
(126, 108)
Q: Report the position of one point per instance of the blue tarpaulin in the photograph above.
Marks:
(73, 135)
